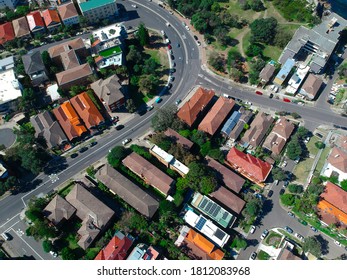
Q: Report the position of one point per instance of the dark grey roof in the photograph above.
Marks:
(245, 118)
(127, 190)
(267, 72)
(33, 62)
(109, 90)
(58, 209)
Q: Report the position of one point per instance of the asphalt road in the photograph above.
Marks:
(7, 137)
(188, 74)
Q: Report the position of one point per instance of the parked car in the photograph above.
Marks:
(169, 86)
(282, 191)
(270, 193)
(54, 254)
(83, 149)
(119, 127)
(6, 236)
(134, 6)
(253, 256)
(199, 44)
(149, 108)
(284, 164)
(252, 230)
(290, 214)
(286, 100)
(158, 100)
(276, 182)
(303, 222)
(74, 155)
(258, 92)
(337, 243)
(297, 160)
(172, 57)
(172, 78)
(286, 183)
(178, 101)
(313, 228)
(264, 234)
(299, 236)
(126, 141)
(288, 229)
(178, 45)
(93, 144)
(115, 119)
(271, 95)
(169, 47)
(196, 37)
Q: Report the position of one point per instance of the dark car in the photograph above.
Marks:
(74, 155)
(172, 70)
(290, 214)
(282, 191)
(169, 86)
(172, 57)
(253, 256)
(83, 149)
(141, 112)
(270, 193)
(288, 229)
(196, 37)
(119, 127)
(271, 95)
(93, 144)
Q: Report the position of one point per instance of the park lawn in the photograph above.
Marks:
(272, 52)
(311, 145)
(322, 160)
(235, 9)
(245, 42)
(156, 55)
(302, 169)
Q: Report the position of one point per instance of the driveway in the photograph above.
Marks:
(7, 137)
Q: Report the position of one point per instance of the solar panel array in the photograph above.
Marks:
(200, 223)
(211, 208)
(219, 234)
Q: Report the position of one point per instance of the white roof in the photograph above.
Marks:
(9, 89)
(104, 34)
(52, 91)
(6, 63)
(164, 155)
(180, 166)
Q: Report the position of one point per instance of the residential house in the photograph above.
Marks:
(110, 92)
(216, 116)
(179, 139)
(297, 78)
(143, 252)
(58, 210)
(225, 176)
(34, 67)
(243, 119)
(311, 87)
(266, 73)
(21, 28)
(257, 131)
(336, 164)
(317, 44)
(87, 110)
(332, 205)
(196, 106)
(95, 10)
(230, 123)
(149, 173)
(95, 215)
(228, 199)
(210, 208)
(55, 3)
(49, 129)
(249, 166)
(284, 72)
(127, 190)
(287, 252)
(70, 121)
(342, 143)
(68, 14)
(74, 76)
(169, 161)
(35, 21)
(118, 247)
(279, 135)
(196, 246)
(76, 44)
(6, 33)
(206, 227)
(11, 4)
(51, 18)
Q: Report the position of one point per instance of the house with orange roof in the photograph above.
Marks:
(216, 116)
(87, 110)
(249, 166)
(195, 106)
(332, 205)
(6, 33)
(118, 247)
(69, 121)
(68, 14)
(21, 28)
(51, 18)
(336, 164)
(196, 246)
(35, 22)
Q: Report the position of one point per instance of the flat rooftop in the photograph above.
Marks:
(9, 87)
(93, 4)
(109, 32)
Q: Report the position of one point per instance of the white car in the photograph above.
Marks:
(337, 243)
(54, 254)
(264, 234)
(126, 141)
(299, 236)
(134, 6)
(284, 164)
(187, 27)
(167, 24)
(252, 230)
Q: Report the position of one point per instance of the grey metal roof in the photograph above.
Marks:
(231, 122)
(33, 62)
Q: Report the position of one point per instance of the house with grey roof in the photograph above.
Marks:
(311, 87)
(58, 210)
(132, 194)
(243, 119)
(34, 67)
(266, 73)
(317, 44)
(49, 129)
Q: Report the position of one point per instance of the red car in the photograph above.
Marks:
(169, 47)
(286, 100)
(259, 92)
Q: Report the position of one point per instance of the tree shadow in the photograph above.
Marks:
(324, 243)
(26, 185)
(267, 208)
(57, 164)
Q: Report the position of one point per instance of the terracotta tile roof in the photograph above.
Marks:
(67, 11)
(267, 72)
(246, 163)
(21, 27)
(194, 106)
(216, 116)
(150, 173)
(74, 74)
(230, 179)
(69, 59)
(177, 138)
(96, 42)
(116, 249)
(35, 20)
(334, 202)
(312, 85)
(87, 110)
(6, 32)
(338, 159)
(342, 142)
(50, 17)
(285, 254)
(74, 44)
(229, 199)
(58, 209)
(69, 120)
(258, 128)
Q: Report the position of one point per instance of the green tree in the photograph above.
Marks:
(116, 155)
(302, 132)
(134, 56)
(47, 245)
(83, 21)
(208, 185)
(217, 62)
(239, 243)
(91, 171)
(150, 66)
(295, 115)
(320, 145)
(313, 246)
(74, 90)
(199, 23)
(161, 140)
(205, 148)
(288, 199)
(130, 105)
(198, 137)
(138, 222)
(42, 229)
(294, 188)
(216, 154)
(282, 37)
(68, 254)
(29, 99)
(294, 149)
(163, 118)
(254, 50)
(344, 184)
(278, 174)
(263, 30)
(143, 35)
(256, 5)
(148, 84)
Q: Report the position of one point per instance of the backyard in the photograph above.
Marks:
(322, 160)
(302, 170)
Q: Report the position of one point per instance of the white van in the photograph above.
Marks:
(6, 236)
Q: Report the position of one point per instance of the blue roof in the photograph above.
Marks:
(92, 4)
(231, 122)
(288, 65)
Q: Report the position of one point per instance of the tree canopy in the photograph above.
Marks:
(313, 246)
(263, 30)
(164, 118)
(116, 155)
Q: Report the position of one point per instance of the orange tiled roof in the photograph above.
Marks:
(6, 32)
(69, 120)
(67, 11)
(191, 109)
(116, 249)
(50, 17)
(87, 110)
(35, 20)
(328, 208)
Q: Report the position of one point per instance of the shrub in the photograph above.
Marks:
(320, 145)
(288, 199)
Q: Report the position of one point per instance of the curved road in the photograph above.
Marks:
(189, 72)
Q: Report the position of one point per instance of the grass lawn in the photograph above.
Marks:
(154, 54)
(311, 145)
(263, 255)
(110, 51)
(302, 169)
(235, 9)
(245, 42)
(64, 191)
(272, 52)
(322, 159)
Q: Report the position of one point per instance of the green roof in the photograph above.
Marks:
(92, 4)
(110, 51)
